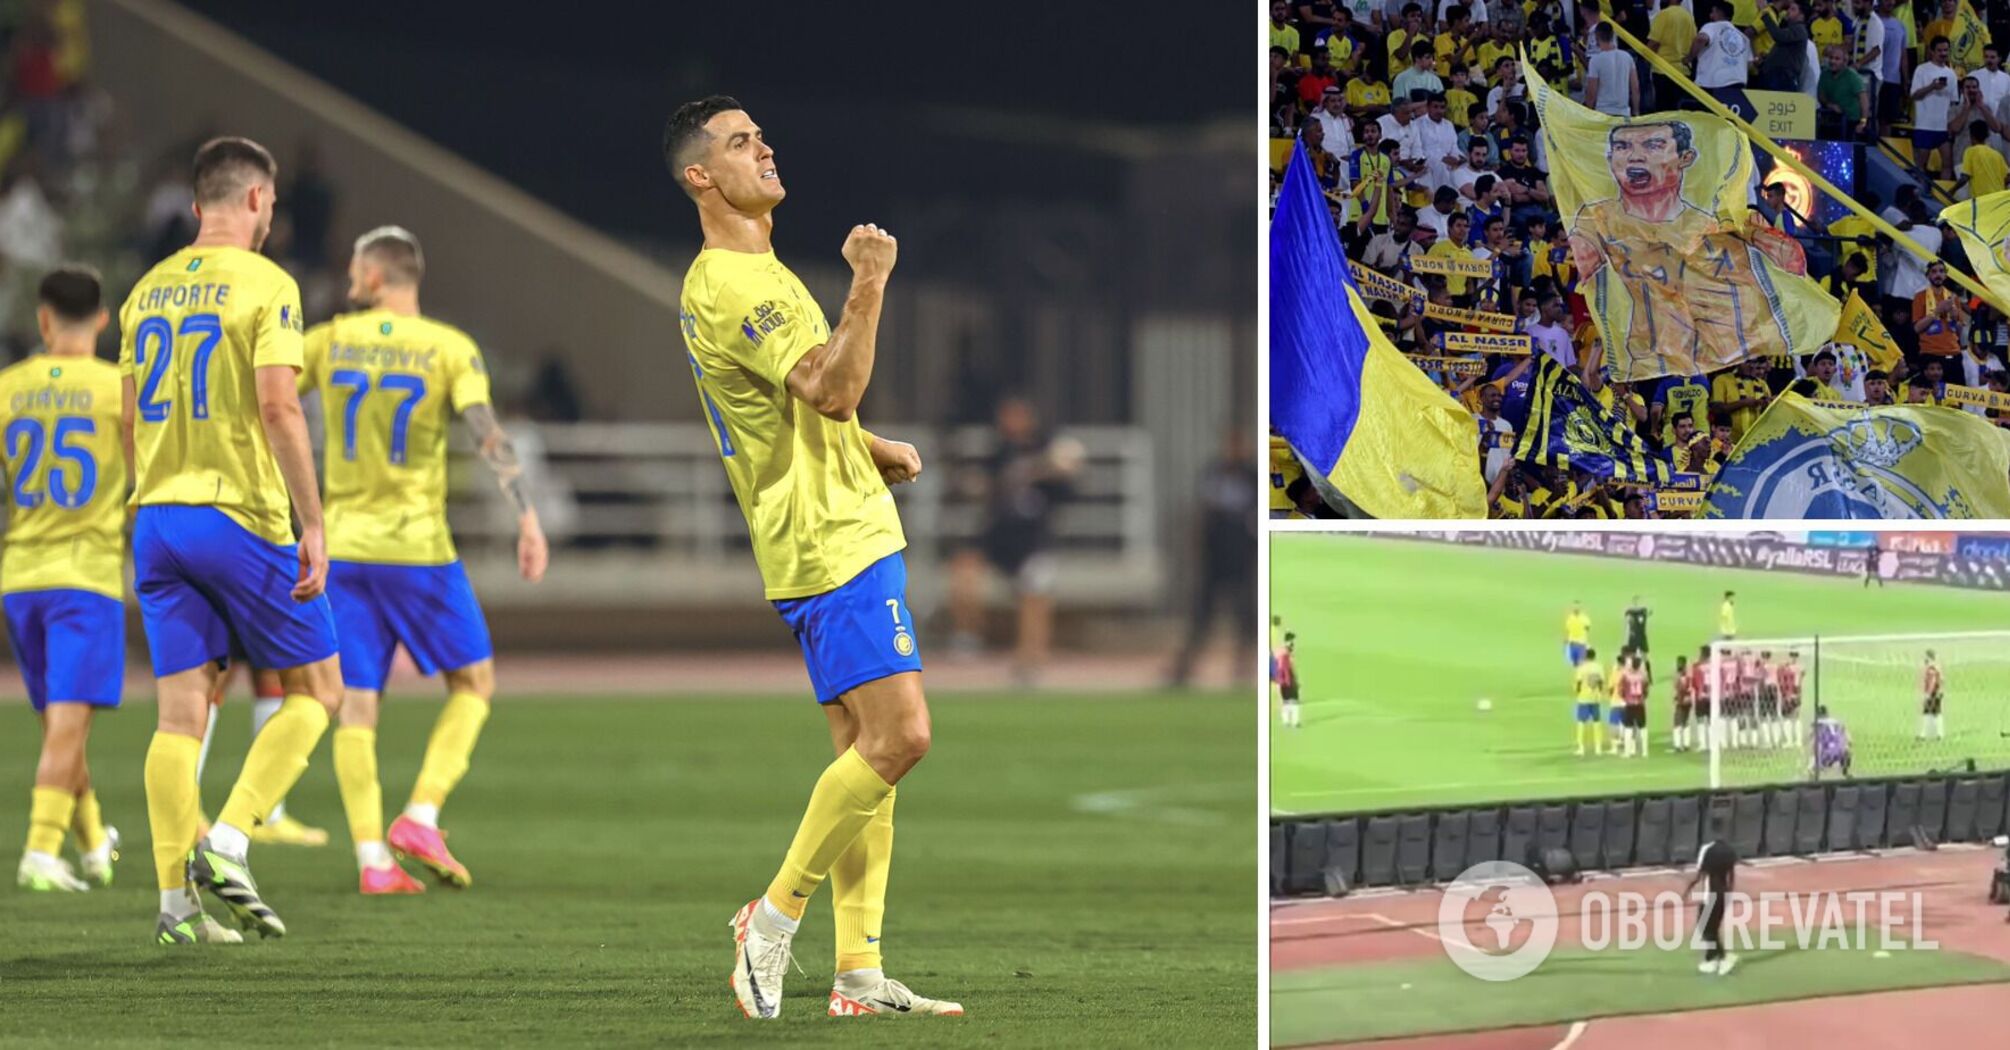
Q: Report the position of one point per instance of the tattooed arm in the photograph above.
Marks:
(532, 554)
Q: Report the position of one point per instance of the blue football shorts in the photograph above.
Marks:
(203, 578)
(429, 609)
(859, 633)
(71, 645)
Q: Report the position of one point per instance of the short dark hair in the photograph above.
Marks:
(396, 250)
(1876, 374)
(225, 166)
(685, 132)
(73, 292)
(1825, 356)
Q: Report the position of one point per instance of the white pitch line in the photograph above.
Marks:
(1570, 1038)
(1420, 931)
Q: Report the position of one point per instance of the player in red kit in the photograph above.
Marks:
(1790, 675)
(1632, 690)
(1287, 681)
(1686, 678)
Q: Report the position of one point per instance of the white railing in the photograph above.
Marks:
(634, 509)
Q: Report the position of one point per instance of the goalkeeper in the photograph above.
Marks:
(1831, 743)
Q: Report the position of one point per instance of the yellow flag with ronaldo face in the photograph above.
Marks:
(1681, 278)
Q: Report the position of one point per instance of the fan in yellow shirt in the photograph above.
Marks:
(221, 462)
(63, 574)
(781, 387)
(391, 380)
(1983, 164)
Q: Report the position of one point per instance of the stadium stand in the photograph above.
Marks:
(1414, 118)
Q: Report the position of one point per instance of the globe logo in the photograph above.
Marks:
(1497, 921)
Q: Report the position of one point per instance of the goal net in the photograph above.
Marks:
(1895, 705)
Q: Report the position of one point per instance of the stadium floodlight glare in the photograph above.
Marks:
(1873, 685)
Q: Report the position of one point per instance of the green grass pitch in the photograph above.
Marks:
(1428, 994)
(1076, 870)
(1399, 640)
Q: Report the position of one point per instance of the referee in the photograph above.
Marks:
(1636, 634)
(1716, 862)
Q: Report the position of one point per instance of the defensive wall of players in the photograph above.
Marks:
(1421, 846)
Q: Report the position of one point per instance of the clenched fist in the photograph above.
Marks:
(870, 251)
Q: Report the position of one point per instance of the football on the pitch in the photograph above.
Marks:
(1486, 704)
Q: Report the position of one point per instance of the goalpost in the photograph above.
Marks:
(1872, 686)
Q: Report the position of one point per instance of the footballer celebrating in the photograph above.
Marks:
(391, 380)
(210, 351)
(781, 388)
(63, 574)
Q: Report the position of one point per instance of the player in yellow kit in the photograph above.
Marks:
(63, 575)
(1588, 684)
(1727, 618)
(211, 349)
(1576, 634)
(780, 388)
(391, 380)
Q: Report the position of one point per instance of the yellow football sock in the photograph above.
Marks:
(88, 823)
(845, 798)
(173, 811)
(278, 757)
(356, 772)
(858, 890)
(48, 818)
(449, 748)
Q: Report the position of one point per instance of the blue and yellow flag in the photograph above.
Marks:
(1804, 460)
(1365, 421)
(1568, 428)
(1984, 226)
(1680, 277)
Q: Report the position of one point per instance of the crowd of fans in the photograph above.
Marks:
(1419, 129)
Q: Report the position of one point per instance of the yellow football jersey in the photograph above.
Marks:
(815, 505)
(1577, 628)
(194, 332)
(390, 386)
(65, 476)
(1727, 620)
(1590, 680)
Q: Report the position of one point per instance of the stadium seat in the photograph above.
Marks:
(1650, 845)
(1618, 851)
(1808, 824)
(1519, 838)
(1587, 835)
(1448, 845)
(1901, 814)
(1782, 808)
(1872, 807)
(1989, 808)
(1685, 828)
(1961, 811)
(1378, 852)
(1343, 848)
(1552, 828)
(1305, 848)
(1933, 808)
(1748, 823)
(1413, 850)
(1483, 837)
(1279, 857)
(1842, 817)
